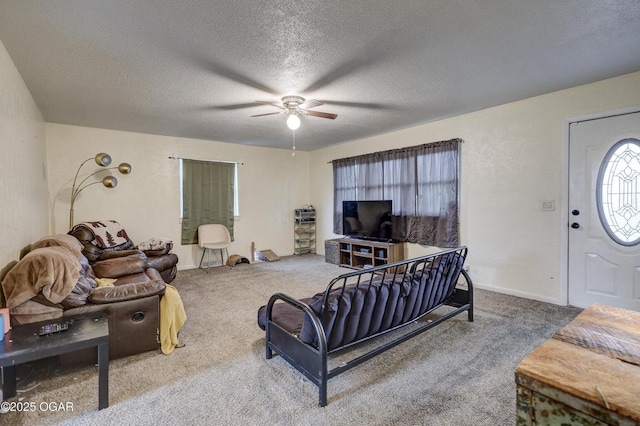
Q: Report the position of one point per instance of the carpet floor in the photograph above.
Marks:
(458, 373)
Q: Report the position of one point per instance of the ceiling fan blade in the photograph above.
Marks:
(311, 103)
(269, 113)
(270, 104)
(358, 104)
(319, 114)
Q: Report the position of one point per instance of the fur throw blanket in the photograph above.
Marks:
(51, 269)
(61, 240)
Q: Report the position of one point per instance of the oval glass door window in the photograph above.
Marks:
(618, 192)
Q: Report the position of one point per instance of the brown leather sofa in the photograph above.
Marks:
(54, 280)
(107, 239)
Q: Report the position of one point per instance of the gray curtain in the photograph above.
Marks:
(370, 177)
(422, 181)
(436, 218)
(344, 189)
(207, 196)
(400, 181)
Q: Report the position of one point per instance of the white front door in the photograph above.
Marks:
(604, 212)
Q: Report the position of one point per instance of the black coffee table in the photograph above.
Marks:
(23, 344)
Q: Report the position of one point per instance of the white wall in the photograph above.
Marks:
(24, 208)
(272, 184)
(512, 160)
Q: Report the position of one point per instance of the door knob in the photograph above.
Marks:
(575, 225)
(575, 212)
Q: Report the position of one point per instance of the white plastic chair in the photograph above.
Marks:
(213, 237)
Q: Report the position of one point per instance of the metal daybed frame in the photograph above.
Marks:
(440, 273)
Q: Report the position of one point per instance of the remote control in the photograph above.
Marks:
(53, 328)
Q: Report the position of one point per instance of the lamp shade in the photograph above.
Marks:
(110, 181)
(102, 159)
(124, 168)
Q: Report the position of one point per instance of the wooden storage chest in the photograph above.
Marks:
(588, 373)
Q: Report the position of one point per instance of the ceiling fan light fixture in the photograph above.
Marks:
(293, 122)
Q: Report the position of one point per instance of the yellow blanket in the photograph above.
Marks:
(172, 317)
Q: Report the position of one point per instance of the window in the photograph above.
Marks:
(208, 194)
(618, 192)
(236, 209)
(422, 182)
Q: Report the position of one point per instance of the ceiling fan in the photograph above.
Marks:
(294, 106)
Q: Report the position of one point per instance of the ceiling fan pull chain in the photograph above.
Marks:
(293, 154)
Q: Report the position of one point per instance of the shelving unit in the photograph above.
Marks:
(304, 231)
(359, 254)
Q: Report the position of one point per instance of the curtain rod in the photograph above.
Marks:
(211, 161)
(406, 148)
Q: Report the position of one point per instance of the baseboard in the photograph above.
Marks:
(187, 267)
(518, 293)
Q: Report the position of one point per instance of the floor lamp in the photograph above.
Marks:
(103, 160)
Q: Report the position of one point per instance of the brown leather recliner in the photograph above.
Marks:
(107, 239)
(54, 281)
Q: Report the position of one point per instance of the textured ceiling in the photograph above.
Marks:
(194, 68)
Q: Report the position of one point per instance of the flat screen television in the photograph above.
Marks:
(368, 220)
